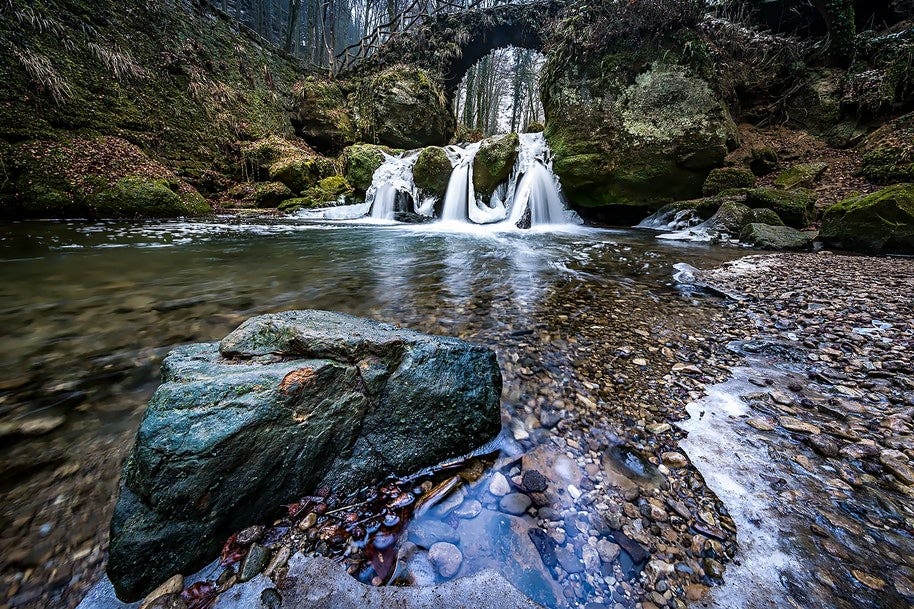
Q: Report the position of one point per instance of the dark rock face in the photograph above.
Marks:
(284, 404)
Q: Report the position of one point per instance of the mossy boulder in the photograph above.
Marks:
(795, 207)
(329, 192)
(874, 223)
(731, 218)
(728, 178)
(637, 139)
(888, 154)
(257, 194)
(300, 173)
(137, 196)
(776, 237)
(404, 107)
(360, 161)
(432, 171)
(803, 175)
(323, 115)
(535, 127)
(102, 177)
(764, 160)
(259, 155)
(763, 215)
(493, 162)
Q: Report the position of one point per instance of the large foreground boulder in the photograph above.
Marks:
(285, 404)
(875, 223)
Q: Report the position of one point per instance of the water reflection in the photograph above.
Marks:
(89, 309)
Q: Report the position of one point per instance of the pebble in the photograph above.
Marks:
(254, 563)
(470, 508)
(446, 558)
(534, 482)
(499, 485)
(674, 459)
(515, 503)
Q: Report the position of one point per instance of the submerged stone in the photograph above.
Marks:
(284, 404)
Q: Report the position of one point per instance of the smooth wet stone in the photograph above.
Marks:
(674, 459)
(515, 503)
(446, 558)
(608, 551)
(254, 563)
(468, 509)
(499, 485)
(568, 560)
(284, 404)
(794, 424)
(761, 423)
(426, 533)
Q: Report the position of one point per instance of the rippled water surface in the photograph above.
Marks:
(87, 310)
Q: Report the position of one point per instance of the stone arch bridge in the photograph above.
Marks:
(448, 44)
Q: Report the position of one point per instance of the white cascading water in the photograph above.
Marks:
(392, 182)
(535, 188)
(531, 196)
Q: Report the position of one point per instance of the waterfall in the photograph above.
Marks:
(531, 196)
(392, 188)
(534, 194)
(460, 186)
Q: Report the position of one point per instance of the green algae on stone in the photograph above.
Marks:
(404, 107)
(727, 178)
(138, 196)
(776, 237)
(493, 162)
(763, 215)
(328, 192)
(636, 140)
(360, 161)
(432, 170)
(300, 173)
(803, 175)
(888, 154)
(874, 223)
(794, 207)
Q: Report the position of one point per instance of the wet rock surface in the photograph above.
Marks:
(821, 410)
(284, 404)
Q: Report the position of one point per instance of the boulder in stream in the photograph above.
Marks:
(283, 405)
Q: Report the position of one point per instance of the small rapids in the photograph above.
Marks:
(530, 197)
(392, 187)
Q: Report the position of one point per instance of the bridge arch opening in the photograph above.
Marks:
(499, 92)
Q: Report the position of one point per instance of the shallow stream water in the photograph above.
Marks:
(87, 311)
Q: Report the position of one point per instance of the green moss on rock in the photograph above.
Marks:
(764, 160)
(404, 107)
(763, 215)
(625, 138)
(138, 196)
(323, 116)
(360, 161)
(301, 173)
(874, 223)
(493, 162)
(803, 175)
(776, 237)
(95, 178)
(432, 170)
(888, 154)
(328, 192)
(728, 178)
(535, 127)
(795, 207)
